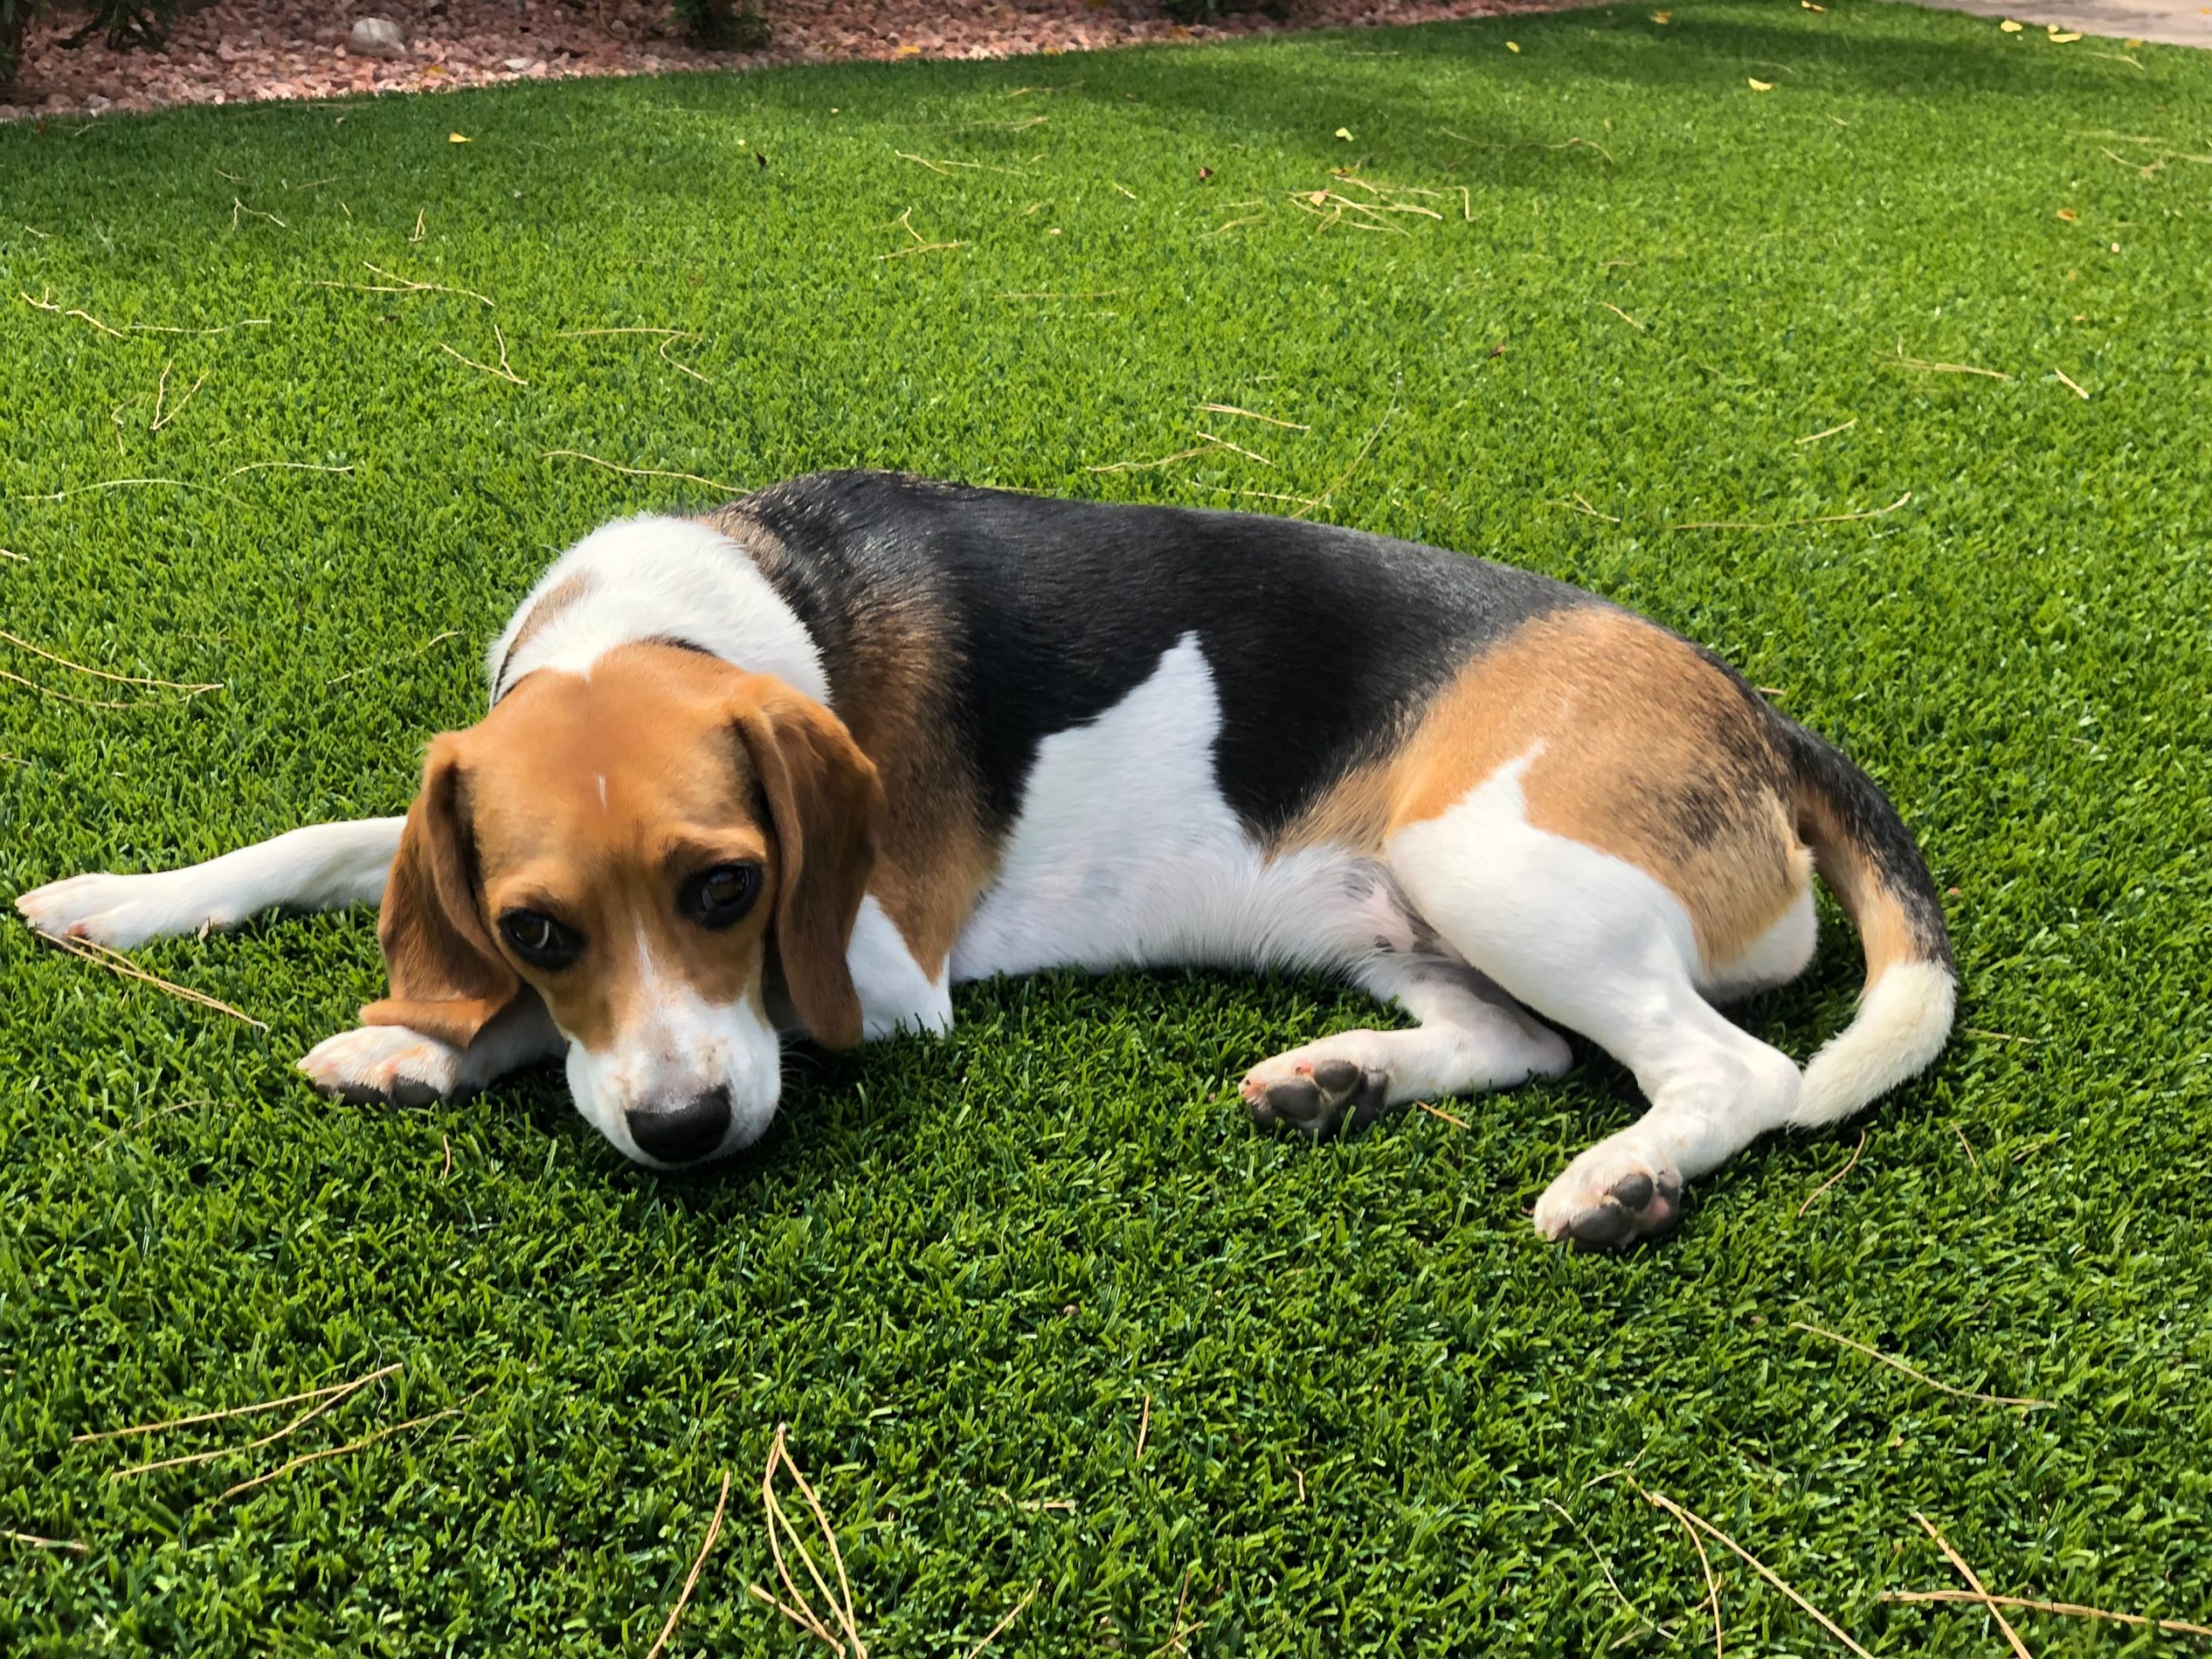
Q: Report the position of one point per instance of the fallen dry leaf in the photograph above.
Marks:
(2068, 214)
(458, 139)
(1345, 133)
(1761, 85)
(1810, 6)
(1662, 17)
(2010, 27)
(2058, 38)
(1513, 46)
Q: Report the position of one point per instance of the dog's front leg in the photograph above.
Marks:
(896, 992)
(324, 867)
(409, 1069)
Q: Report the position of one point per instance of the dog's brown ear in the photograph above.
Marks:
(824, 797)
(448, 978)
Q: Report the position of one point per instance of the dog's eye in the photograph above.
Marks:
(719, 897)
(539, 940)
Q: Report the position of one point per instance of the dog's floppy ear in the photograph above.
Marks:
(448, 978)
(825, 797)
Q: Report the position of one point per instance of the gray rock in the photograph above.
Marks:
(97, 105)
(377, 37)
(519, 65)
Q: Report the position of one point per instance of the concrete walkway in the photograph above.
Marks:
(2175, 23)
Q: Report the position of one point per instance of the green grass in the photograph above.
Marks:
(961, 1268)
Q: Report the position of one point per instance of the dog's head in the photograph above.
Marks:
(670, 852)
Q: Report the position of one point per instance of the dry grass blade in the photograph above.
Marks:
(2012, 1636)
(161, 418)
(1148, 466)
(1268, 495)
(60, 696)
(120, 484)
(1438, 1111)
(223, 329)
(404, 285)
(1397, 385)
(46, 304)
(238, 208)
(920, 247)
(1793, 523)
(1623, 315)
(101, 1146)
(78, 1546)
(1923, 1376)
(1691, 1518)
(366, 1440)
(1580, 504)
(1613, 1584)
(801, 1610)
(282, 465)
(947, 166)
(1224, 443)
(1004, 1625)
(640, 472)
(1144, 1428)
(2072, 385)
(1251, 415)
(668, 338)
(1705, 1561)
(2063, 1609)
(337, 1397)
(1830, 432)
(1904, 362)
(691, 1580)
(504, 371)
(215, 1416)
(21, 644)
(435, 639)
(115, 963)
(1850, 1165)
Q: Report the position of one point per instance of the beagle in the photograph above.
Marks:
(804, 763)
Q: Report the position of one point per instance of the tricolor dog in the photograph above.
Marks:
(801, 765)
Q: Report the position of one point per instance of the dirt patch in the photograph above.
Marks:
(242, 51)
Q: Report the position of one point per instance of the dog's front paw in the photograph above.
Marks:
(385, 1062)
(1612, 1197)
(116, 911)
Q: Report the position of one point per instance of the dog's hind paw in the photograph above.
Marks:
(1612, 1197)
(385, 1062)
(1315, 1091)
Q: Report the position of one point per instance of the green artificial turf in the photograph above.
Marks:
(1376, 1415)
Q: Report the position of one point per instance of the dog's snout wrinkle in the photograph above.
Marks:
(685, 1131)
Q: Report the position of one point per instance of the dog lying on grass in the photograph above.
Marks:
(802, 765)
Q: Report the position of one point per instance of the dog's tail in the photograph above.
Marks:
(1870, 861)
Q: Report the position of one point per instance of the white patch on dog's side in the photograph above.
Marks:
(1597, 944)
(895, 994)
(1125, 853)
(655, 577)
(678, 1046)
(323, 866)
(1775, 957)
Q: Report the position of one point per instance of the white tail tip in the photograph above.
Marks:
(1901, 1026)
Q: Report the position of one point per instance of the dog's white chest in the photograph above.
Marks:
(1125, 852)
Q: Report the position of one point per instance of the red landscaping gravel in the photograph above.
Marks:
(238, 51)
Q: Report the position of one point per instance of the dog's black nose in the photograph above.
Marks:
(684, 1132)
